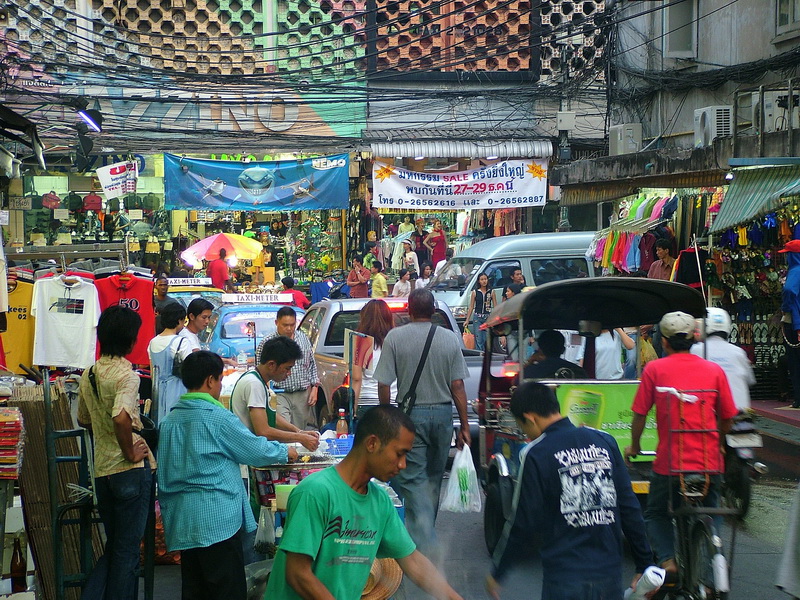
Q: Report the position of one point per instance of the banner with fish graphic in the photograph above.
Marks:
(285, 185)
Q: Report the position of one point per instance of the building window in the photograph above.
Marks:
(680, 29)
(788, 14)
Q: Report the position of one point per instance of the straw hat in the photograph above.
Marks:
(384, 578)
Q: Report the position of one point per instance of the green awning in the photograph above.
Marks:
(755, 192)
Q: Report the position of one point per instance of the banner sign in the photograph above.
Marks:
(286, 185)
(508, 184)
(119, 179)
(257, 298)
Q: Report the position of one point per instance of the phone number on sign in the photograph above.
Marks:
(519, 200)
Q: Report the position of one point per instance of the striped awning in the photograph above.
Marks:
(463, 148)
(754, 192)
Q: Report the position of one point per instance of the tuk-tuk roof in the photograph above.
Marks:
(613, 301)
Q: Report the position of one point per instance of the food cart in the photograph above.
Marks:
(586, 306)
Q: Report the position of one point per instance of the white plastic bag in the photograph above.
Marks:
(265, 534)
(463, 494)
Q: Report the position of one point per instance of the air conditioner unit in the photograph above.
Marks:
(624, 139)
(711, 122)
(776, 111)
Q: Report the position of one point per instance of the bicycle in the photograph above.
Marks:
(703, 569)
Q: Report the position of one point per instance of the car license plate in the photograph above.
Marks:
(744, 440)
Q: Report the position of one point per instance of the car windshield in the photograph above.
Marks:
(349, 320)
(455, 274)
(236, 326)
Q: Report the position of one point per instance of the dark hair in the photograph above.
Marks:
(402, 272)
(288, 282)
(199, 366)
(551, 342)
(515, 269)
(198, 306)
(162, 276)
(343, 397)
(378, 265)
(370, 245)
(376, 320)
(357, 257)
(384, 422)
(286, 311)
(117, 330)
(681, 342)
(172, 314)
(533, 397)
(423, 265)
(515, 287)
(449, 252)
(421, 303)
(223, 253)
(664, 244)
(280, 349)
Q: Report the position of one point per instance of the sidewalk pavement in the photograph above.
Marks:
(779, 425)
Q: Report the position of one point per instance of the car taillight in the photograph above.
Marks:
(510, 369)
(396, 305)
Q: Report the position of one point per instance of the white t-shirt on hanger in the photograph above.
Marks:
(66, 322)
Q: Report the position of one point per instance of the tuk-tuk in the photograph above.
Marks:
(585, 306)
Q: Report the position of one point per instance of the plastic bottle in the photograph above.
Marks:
(342, 429)
(721, 573)
(651, 579)
(241, 358)
(19, 569)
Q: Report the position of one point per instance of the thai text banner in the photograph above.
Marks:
(286, 185)
(507, 184)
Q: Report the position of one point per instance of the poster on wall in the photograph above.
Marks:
(306, 184)
(507, 184)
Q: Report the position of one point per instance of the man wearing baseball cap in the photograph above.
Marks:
(694, 409)
(790, 306)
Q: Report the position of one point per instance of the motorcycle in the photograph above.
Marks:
(741, 468)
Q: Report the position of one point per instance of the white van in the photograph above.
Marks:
(543, 257)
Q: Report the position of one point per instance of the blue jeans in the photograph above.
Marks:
(123, 500)
(660, 529)
(575, 589)
(420, 483)
(480, 334)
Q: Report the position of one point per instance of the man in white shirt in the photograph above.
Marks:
(198, 314)
(731, 358)
(453, 272)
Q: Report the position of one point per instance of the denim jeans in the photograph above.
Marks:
(660, 529)
(576, 589)
(420, 483)
(123, 500)
(480, 334)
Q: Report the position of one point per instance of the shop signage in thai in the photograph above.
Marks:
(119, 179)
(257, 298)
(507, 184)
(286, 185)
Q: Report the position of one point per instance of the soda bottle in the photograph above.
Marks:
(342, 429)
(241, 358)
(19, 569)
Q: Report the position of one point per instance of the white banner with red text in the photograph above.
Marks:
(507, 184)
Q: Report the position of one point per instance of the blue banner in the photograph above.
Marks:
(284, 185)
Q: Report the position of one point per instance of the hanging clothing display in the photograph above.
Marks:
(137, 294)
(66, 312)
(18, 337)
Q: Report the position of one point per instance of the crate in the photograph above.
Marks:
(341, 446)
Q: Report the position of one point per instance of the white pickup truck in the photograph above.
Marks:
(324, 324)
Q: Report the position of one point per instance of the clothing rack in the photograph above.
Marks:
(634, 226)
(71, 251)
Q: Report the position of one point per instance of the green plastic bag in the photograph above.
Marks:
(463, 495)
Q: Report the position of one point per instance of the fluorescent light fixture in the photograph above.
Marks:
(93, 119)
(492, 157)
(418, 157)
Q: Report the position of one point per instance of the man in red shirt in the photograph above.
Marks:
(358, 278)
(218, 271)
(692, 395)
(298, 297)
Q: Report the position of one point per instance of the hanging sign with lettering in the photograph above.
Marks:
(507, 184)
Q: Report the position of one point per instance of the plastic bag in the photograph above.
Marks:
(463, 494)
(265, 534)
(469, 340)
(648, 353)
(257, 576)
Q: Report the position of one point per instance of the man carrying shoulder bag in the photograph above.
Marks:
(429, 367)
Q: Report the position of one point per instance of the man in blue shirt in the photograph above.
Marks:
(203, 502)
(573, 496)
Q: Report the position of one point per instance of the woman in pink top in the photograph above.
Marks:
(436, 242)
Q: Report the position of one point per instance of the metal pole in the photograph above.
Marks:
(761, 120)
(790, 108)
(735, 136)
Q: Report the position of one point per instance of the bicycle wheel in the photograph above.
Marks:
(701, 584)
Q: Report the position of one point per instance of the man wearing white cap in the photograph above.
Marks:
(694, 409)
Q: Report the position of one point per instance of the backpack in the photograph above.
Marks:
(73, 201)
(92, 201)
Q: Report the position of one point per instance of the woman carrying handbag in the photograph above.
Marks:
(481, 303)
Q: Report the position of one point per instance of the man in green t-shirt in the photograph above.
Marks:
(338, 521)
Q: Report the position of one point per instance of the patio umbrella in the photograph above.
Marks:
(235, 245)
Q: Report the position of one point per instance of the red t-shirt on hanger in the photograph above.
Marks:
(137, 294)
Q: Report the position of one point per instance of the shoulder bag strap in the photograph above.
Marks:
(412, 391)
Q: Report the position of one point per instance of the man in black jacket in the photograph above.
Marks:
(573, 497)
(551, 344)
